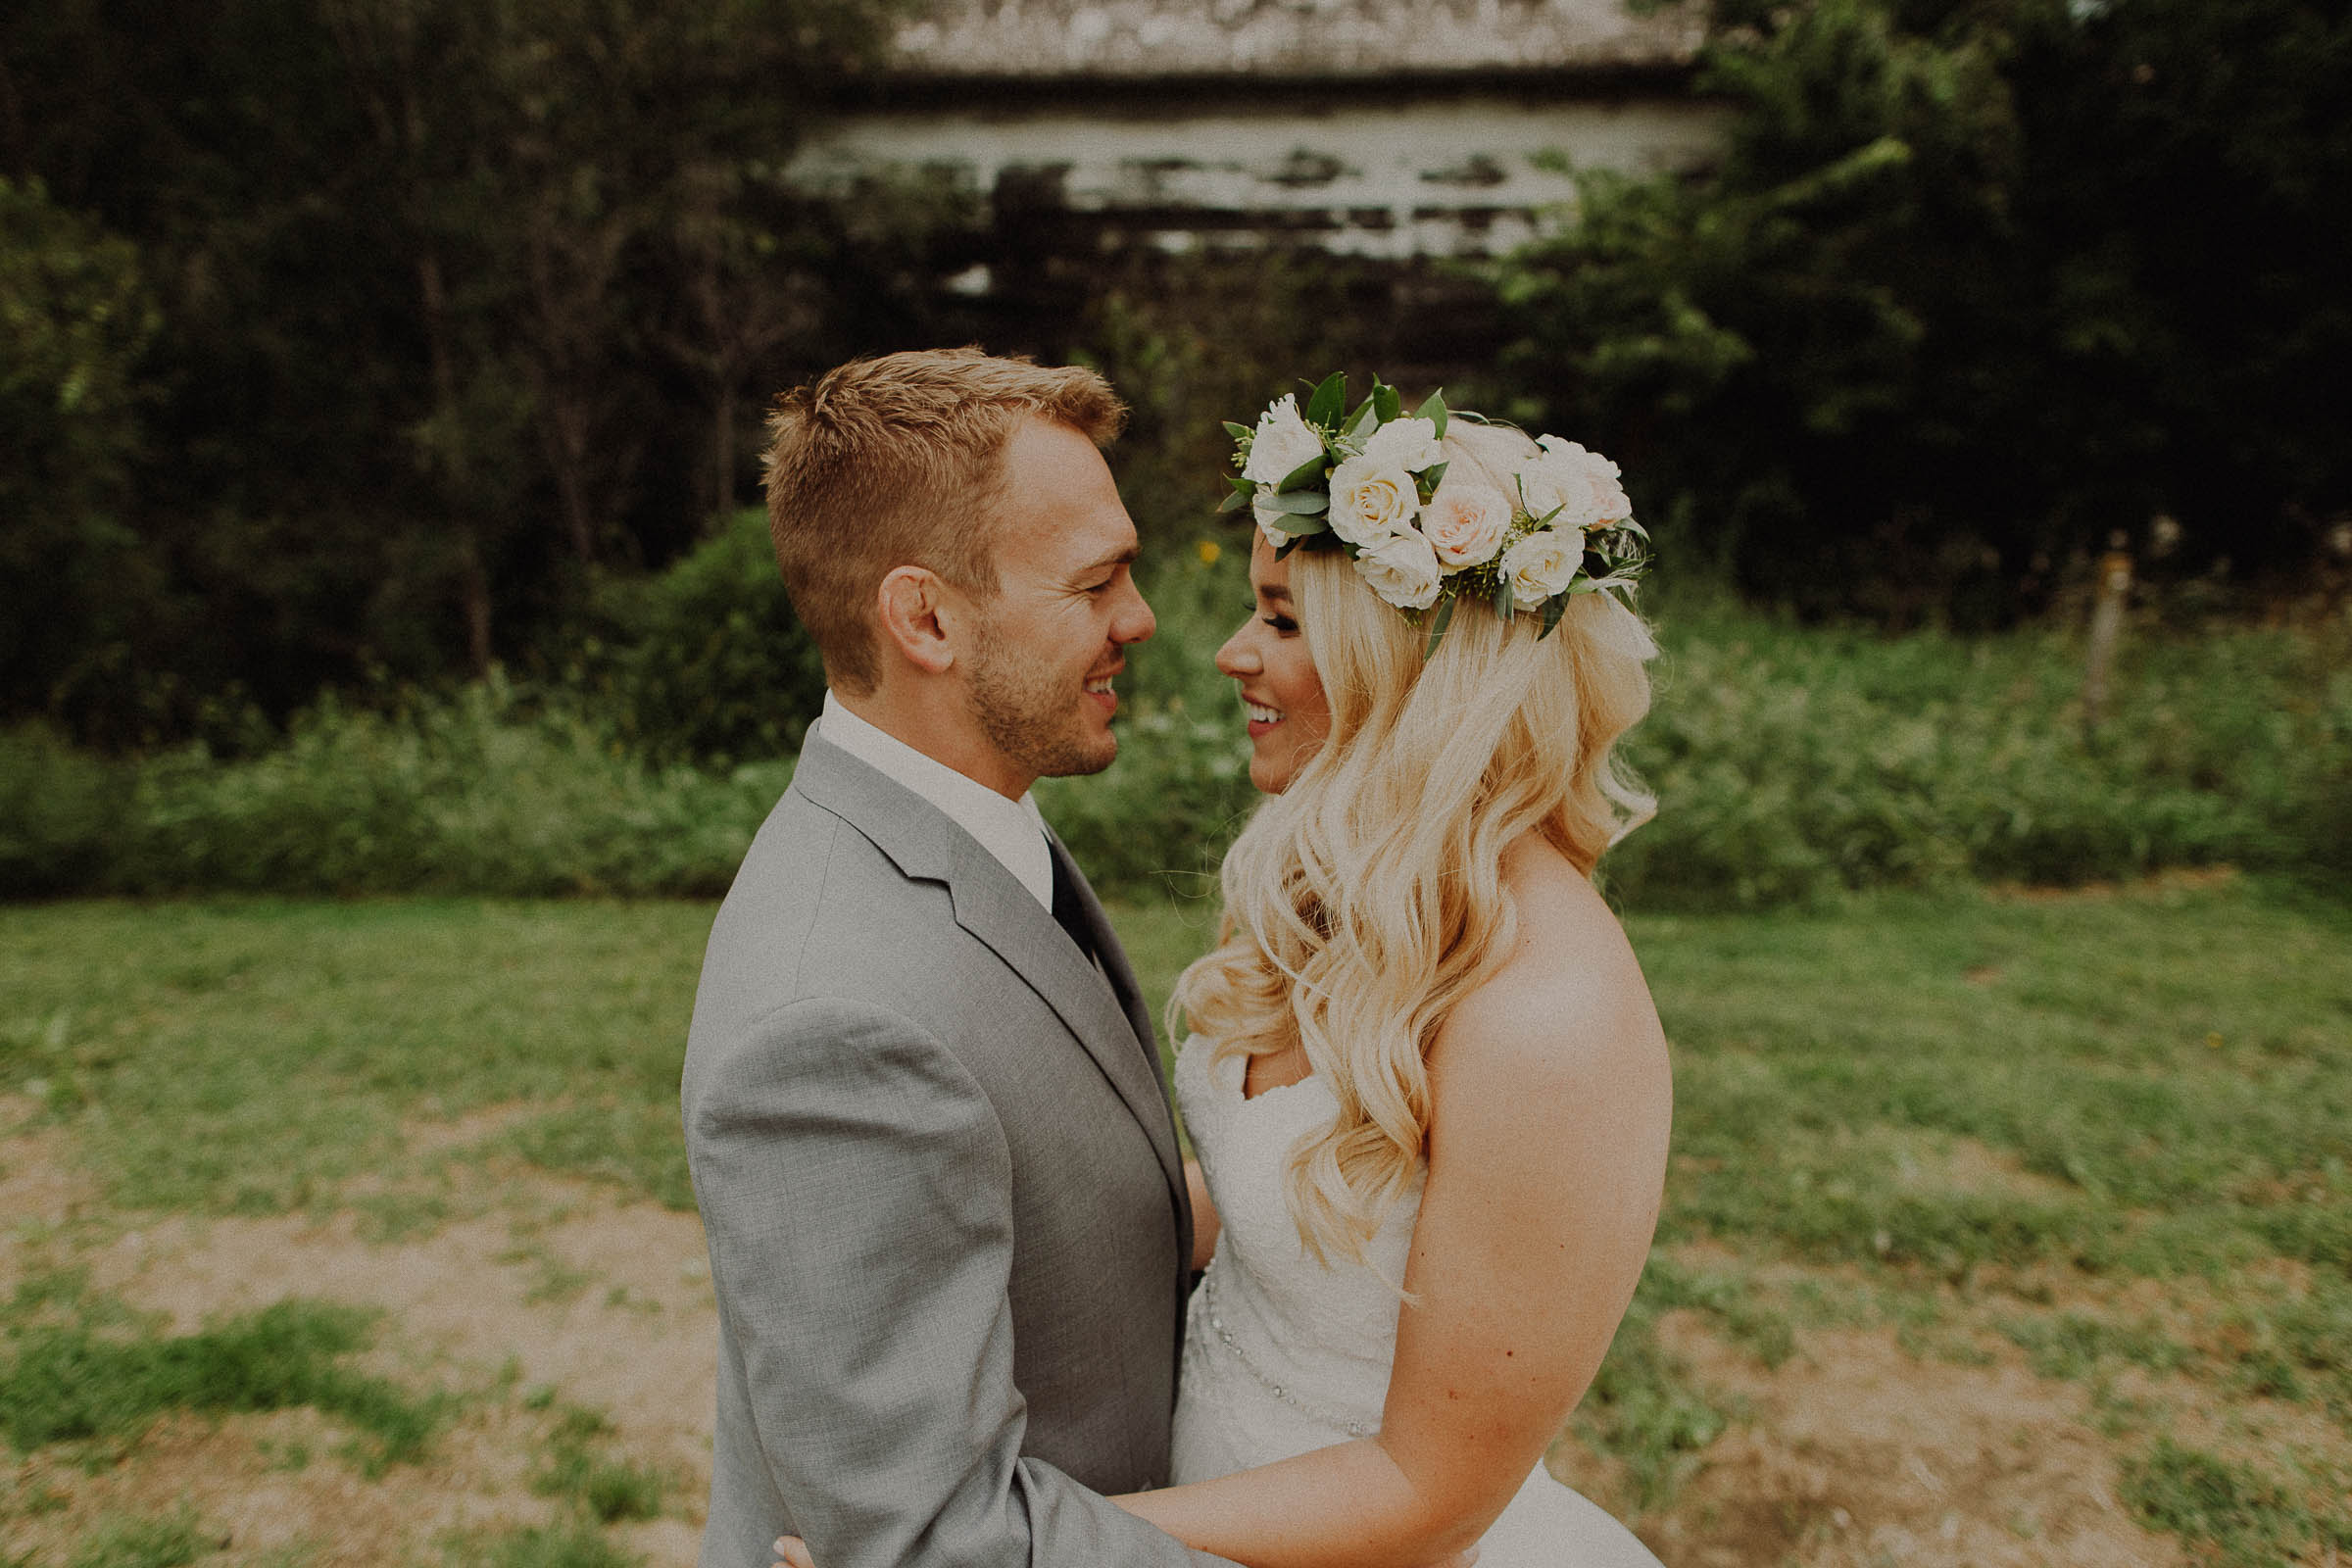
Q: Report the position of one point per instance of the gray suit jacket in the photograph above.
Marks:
(946, 1212)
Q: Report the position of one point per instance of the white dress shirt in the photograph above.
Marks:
(1014, 831)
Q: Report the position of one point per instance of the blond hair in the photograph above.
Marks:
(894, 461)
(1366, 900)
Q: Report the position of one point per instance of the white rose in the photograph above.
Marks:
(1283, 443)
(1465, 522)
(1370, 502)
(1555, 490)
(1402, 569)
(1409, 443)
(1587, 481)
(1542, 564)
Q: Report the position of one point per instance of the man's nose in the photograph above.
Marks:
(1135, 622)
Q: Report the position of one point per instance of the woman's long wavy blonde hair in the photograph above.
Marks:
(1365, 901)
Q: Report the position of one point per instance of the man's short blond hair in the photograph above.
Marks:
(897, 462)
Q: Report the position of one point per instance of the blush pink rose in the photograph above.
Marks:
(1465, 524)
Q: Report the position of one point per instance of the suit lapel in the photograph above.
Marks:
(1109, 1021)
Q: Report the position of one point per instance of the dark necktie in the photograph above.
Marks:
(1066, 911)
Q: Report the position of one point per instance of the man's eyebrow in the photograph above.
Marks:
(1117, 557)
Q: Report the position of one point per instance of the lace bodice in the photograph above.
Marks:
(1301, 1350)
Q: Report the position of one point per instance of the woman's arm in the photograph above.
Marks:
(1550, 1106)
(1204, 1215)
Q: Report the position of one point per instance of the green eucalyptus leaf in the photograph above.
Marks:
(1433, 408)
(1503, 598)
(1295, 522)
(1332, 396)
(1384, 397)
(1234, 502)
(1239, 432)
(1363, 418)
(1431, 477)
(1553, 608)
(1307, 473)
(1437, 626)
(1298, 503)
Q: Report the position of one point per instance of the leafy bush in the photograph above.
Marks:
(1790, 764)
(482, 792)
(1793, 766)
(1932, 326)
(705, 661)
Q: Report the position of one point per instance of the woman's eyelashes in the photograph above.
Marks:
(1283, 625)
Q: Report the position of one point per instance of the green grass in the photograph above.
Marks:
(124, 1541)
(250, 1056)
(604, 1489)
(1966, 1117)
(571, 1544)
(2246, 1519)
(76, 1367)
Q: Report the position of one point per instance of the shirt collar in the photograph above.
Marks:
(1014, 831)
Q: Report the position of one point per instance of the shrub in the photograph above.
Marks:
(484, 792)
(705, 661)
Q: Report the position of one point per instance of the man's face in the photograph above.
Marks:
(1039, 672)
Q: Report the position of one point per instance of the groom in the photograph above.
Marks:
(948, 1225)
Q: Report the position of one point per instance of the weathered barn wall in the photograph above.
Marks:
(1453, 176)
(1087, 133)
(1290, 38)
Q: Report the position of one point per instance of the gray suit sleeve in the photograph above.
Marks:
(855, 1187)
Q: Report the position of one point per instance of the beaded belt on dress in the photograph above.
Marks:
(1216, 1325)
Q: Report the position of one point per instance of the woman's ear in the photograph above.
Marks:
(907, 604)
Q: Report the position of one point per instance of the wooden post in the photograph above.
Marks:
(2106, 624)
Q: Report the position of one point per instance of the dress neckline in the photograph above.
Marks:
(1241, 1084)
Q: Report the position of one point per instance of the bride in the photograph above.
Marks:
(1425, 1080)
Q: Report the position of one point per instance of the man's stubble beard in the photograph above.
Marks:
(1028, 715)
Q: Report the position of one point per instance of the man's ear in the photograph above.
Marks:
(908, 604)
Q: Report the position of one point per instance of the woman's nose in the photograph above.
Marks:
(1234, 659)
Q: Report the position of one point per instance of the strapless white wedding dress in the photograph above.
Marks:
(1282, 1355)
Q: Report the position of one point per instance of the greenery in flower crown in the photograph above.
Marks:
(1367, 482)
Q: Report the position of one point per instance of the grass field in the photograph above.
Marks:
(2001, 1228)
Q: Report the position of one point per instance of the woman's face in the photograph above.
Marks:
(1281, 692)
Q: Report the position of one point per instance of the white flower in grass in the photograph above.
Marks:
(1402, 569)
(1542, 564)
(1369, 500)
(1408, 444)
(1465, 522)
(1283, 443)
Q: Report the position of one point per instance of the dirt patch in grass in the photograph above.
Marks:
(537, 1295)
(525, 1295)
(1856, 1452)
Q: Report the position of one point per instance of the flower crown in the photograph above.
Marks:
(1368, 483)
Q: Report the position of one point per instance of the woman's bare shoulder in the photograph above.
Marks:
(1570, 999)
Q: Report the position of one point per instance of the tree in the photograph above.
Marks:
(1942, 316)
(76, 318)
(420, 267)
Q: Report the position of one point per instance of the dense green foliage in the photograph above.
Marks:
(359, 332)
(1976, 283)
(1791, 765)
(703, 661)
